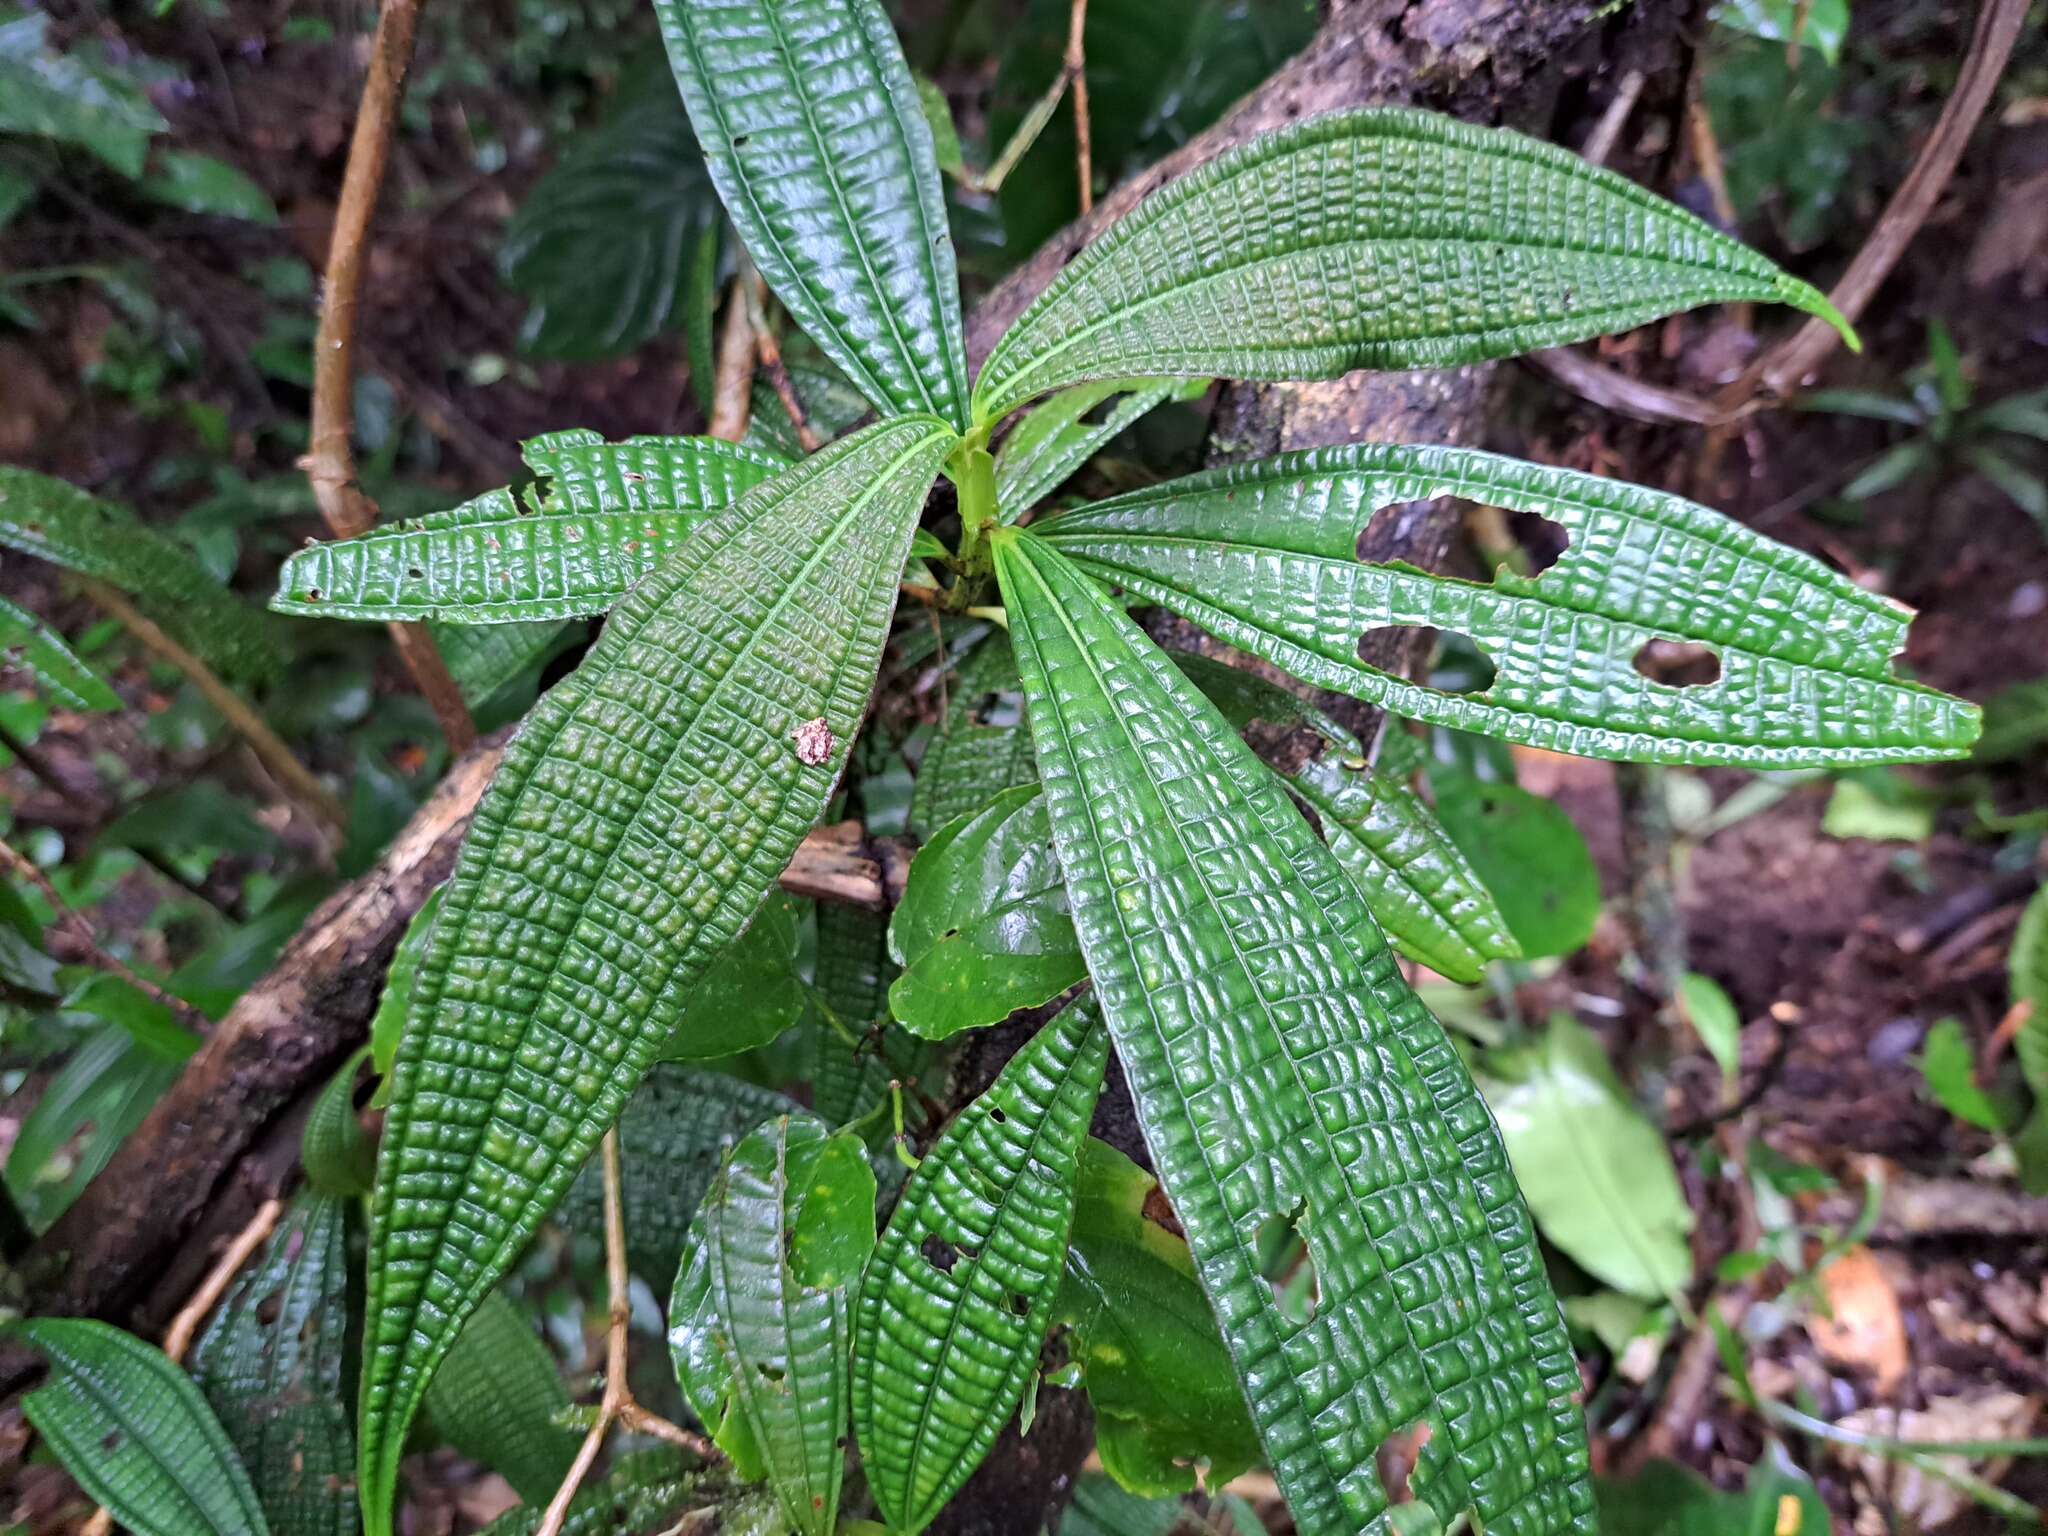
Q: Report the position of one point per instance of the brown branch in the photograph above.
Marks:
(83, 935)
(330, 458)
(293, 776)
(769, 351)
(733, 381)
(178, 1337)
(1075, 68)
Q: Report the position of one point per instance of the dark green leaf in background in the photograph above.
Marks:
(747, 996)
(65, 680)
(72, 97)
(982, 929)
(202, 184)
(954, 1308)
(980, 746)
(1528, 855)
(134, 1431)
(497, 1399)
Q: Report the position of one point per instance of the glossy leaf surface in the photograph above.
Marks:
(1423, 891)
(955, 1305)
(57, 522)
(1263, 556)
(635, 825)
(1374, 239)
(1141, 1332)
(673, 1137)
(65, 680)
(1594, 1171)
(134, 1431)
(1063, 433)
(387, 1024)
(1282, 1071)
(982, 929)
(980, 747)
(496, 1398)
(759, 1322)
(604, 516)
(815, 137)
(272, 1363)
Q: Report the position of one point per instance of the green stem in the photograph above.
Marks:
(972, 470)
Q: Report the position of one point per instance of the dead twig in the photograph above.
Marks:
(769, 352)
(1601, 141)
(1074, 67)
(83, 934)
(330, 458)
(617, 1405)
(732, 384)
(293, 776)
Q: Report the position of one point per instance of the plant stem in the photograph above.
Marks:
(295, 777)
(330, 462)
(769, 352)
(973, 472)
(735, 376)
(1076, 70)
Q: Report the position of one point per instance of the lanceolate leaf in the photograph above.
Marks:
(272, 1363)
(67, 682)
(955, 1305)
(814, 134)
(496, 1398)
(134, 1431)
(1284, 1073)
(1419, 886)
(1062, 434)
(759, 1321)
(58, 522)
(982, 927)
(1376, 239)
(604, 516)
(636, 824)
(673, 1137)
(1263, 557)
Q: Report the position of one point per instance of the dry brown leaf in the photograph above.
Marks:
(1864, 1329)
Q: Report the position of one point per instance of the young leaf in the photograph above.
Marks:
(609, 245)
(813, 131)
(1804, 655)
(1422, 890)
(1949, 1068)
(758, 1324)
(980, 747)
(982, 927)
(134, 1431)
(1157, 1373)
(1711, 1012)
(497, 1397)
(57, 522)
(272, 1364)
(673, 1137)
(1595, 1172)
(1283, 1073)
(604, 516)
(69, 683)
(955, 1305)
(1062, 434)
(1375, 239)
(633, 829)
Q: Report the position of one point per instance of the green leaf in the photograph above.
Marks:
(673, 1138)
(1823, 24)
(1949, 1068)
(830, 405)
(982, 928)
(980, 747)
(815, 136)
(604, 516)
(1891, 469)
(1157, 1373)
(643, 1491)
(955, 1306)
(387, 1025)
(748, 995)
(272, 1363)
(2015, 723)
(202, 184)
(1711, 1012)
(634, 827)
(71, 97)
(938, 116)
(1596, 1174)
(1283, 1072)
(498, 1399)
(1665, 1499)
(134, 1431)
(1419, 242)
(1525, 851)
(1063, 433)
(1878, 811)
(759, 1325)
(17, 190)
(1804, 654)
(1423, 891)
(2027, 966)
(338, 1157)
(68, 682)
(608, 246)
(848, 1079)
(57, 522)
(484, 658)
